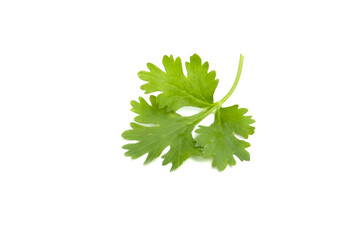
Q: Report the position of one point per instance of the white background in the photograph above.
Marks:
(68, 70)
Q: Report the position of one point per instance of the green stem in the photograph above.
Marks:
(201, 115)
(197, 118)
(236, 80)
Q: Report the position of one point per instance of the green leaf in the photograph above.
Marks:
(196, 89)
(167, 129)
(159, 126)
(234, 118)
(218, 140)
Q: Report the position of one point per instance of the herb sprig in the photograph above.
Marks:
(168, 128)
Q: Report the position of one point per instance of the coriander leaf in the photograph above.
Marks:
(170, 129)
(167, 128)
(233, 117)
(218, 140)
(196, 89)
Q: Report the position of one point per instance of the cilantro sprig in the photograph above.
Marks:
(159, 126)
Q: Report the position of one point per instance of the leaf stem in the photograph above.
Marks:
(237, 78)
(197, 118)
